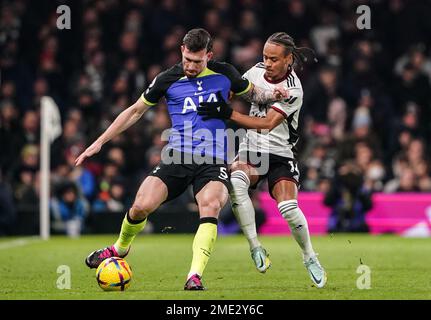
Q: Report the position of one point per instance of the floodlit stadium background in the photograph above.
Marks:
(367, 108)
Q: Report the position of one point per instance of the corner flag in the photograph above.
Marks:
(50, 130)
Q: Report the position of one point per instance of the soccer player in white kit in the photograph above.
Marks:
(275, 135)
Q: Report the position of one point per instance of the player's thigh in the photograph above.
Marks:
(248, 169)
(211, 198)
(176, 177)
(151, 194)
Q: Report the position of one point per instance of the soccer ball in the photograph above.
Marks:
(114, 274)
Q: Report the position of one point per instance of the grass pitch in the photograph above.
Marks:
(399, 268)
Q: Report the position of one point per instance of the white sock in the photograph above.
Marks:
(243, 208)
(298, 226)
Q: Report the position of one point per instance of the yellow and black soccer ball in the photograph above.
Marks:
(114, 274)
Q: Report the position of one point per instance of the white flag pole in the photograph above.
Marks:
(50, 130)
(44, 172)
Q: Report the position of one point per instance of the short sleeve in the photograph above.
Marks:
(158, 87)
(246, 75)
(239, 84)
(154, 92)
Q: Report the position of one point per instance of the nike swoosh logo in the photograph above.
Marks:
(316, 280)
(261, 262)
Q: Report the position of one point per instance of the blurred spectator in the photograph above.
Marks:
(245, 57)
(116, 155)
(24, 177)
(337, 118)
(95, 72)
(9, 133)
(7, 208)
(404, 180)
(220, 50)
(298, 20)
(405, 130)
(30, 131)
(40, 88)
(83, 177)
(212, 21)
(318, 167)
(418, 59)
(152, 72)
(410, 168)
(8, 91)
(110, 173)
(325, 31)
(375, 176)
(361, 132)
(422, 172)
(113, 199)
(411, 86)
(416, 151)
(249, 26)
(349, 199)
(68, 210)
(319, 91)
(407, 182)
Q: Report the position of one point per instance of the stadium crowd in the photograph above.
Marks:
(364, 123)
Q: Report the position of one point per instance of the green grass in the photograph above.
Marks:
(399, 268)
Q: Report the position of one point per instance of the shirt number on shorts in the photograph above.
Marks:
(156, 169)
(293, 167)
(223, 174)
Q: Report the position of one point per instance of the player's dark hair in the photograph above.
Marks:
(286, 41)
(198, 39)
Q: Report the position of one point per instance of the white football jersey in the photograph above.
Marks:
(282, 139)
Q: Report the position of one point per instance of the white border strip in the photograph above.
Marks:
(18, 242)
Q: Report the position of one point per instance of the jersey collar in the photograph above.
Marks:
(280, 80)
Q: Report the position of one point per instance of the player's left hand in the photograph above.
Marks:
(280, 93)
(219, 109)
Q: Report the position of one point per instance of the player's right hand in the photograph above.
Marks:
(91, 150)
(280, 93)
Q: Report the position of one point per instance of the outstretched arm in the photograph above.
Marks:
(272, 120)
(221, 110)
(123, 121)
(263, 96)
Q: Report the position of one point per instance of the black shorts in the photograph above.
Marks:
(279, 168)
(178, 177)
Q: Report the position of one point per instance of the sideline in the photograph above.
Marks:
(18, 242)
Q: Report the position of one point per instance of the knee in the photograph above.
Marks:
(138, 212)
(240, 182)
(240, 166)
(141, 208)
(211, 206)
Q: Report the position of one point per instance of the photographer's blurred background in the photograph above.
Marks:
(365, 122)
